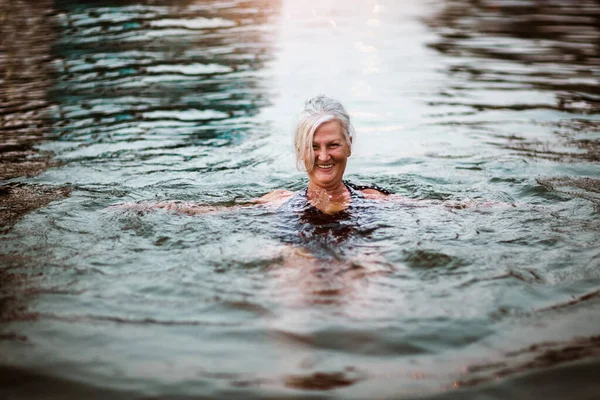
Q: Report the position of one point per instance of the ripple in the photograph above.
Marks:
(324, 380)
(581, 299)
(497, 48)
(191, 69)
(185, 115)
(111, 91)
(194, 23)
(131, 321)
(369, 342)
(426, 259)
(543, 355)
(586, 188)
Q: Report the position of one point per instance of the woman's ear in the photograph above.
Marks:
(350, 147)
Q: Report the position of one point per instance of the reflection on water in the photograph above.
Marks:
(160, 80)
(25, 69)
(524, 56)
(493, 105)
(28, 33)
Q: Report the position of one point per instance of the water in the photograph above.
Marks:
(494, 104)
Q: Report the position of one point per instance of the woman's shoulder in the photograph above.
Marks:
(369, 191)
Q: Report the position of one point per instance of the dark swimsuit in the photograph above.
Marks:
(302, 224)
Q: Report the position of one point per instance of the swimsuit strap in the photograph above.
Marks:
(354, 192)
(300, 199)
(358, 188)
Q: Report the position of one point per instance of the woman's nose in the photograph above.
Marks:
(322, 154)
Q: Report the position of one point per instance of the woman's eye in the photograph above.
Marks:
(334, 145)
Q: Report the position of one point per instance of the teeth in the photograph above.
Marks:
(325, 166)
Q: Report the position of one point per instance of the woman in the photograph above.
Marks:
(323, 143)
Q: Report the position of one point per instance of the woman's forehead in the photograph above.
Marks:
(330, 130)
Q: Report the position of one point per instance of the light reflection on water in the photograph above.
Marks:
(195, 101)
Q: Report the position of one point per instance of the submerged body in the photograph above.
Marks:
(302, 222)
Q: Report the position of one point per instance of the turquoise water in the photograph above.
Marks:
(494, 105)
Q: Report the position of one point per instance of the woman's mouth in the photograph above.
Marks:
(325, 166)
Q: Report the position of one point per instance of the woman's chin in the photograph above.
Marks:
(326, 180)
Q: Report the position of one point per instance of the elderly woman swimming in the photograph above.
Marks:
(323, 143)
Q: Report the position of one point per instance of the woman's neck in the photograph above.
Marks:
(329, 199)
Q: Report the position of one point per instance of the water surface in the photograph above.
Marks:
(493, 105)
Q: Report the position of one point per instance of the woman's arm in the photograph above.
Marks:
(272, 199)
(448, 204)
(177, 206)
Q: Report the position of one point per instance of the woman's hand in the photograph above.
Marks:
(179, 207)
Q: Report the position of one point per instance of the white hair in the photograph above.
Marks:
(317, 111)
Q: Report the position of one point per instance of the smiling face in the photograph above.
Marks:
(331, 153)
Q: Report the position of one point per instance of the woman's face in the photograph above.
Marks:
(331, 152)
